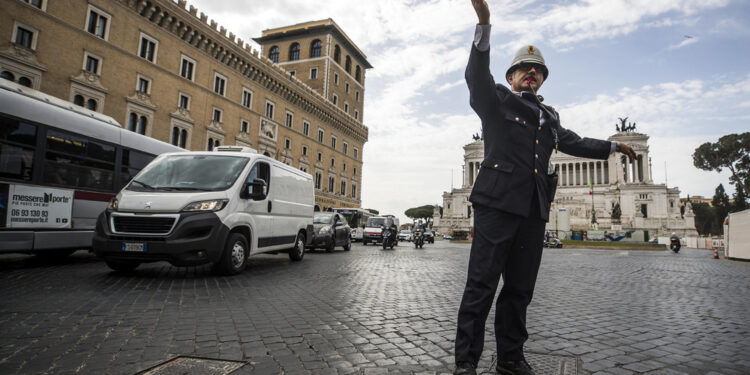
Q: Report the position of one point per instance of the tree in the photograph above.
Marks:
(705, 219)
(740, 200)
(721, 204)
(373, 211)
(731, 152)
(421, 212)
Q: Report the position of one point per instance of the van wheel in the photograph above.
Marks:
(234, 258)
(348, 245)
(298, 251)
(122, 265)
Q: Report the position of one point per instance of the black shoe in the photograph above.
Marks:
(465, 368)
(514, 368)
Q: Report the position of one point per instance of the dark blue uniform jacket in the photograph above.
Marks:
(517, 148)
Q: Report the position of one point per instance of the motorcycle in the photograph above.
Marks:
(674, 244)
(389, 238)
(418, 240)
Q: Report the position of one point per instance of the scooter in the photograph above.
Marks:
(389, 238)
(418, 240)
(674, 244)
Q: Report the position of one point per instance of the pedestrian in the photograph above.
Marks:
(511, 198)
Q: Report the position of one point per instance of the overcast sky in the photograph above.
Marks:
(680, 69)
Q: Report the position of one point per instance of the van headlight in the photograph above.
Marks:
(113, 204)
(326, 229)
(211, 205)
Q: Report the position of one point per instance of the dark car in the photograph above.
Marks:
(330, 230)
(429, 237)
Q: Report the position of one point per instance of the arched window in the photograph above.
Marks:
(8, 75)
(78, 100)
(24, 81)
(91, 104)
(273, 55)
(175, 136)
(294, 52)
(316, 47)
(348, 65)
(142, 122)
(337, 54)
(358, 74)
(217, 143)
(183, 138)
(210, 144)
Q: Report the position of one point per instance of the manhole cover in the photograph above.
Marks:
(544, 364)
(194, 365)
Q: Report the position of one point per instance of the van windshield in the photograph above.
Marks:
(375, 222)
(189, 173)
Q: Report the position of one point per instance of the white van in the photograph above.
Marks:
(373, 232)
(219, 206)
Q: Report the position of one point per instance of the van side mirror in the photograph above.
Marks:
(256, 190)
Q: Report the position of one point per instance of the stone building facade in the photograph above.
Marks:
(457, 210)
(643, 204)
(163, 69)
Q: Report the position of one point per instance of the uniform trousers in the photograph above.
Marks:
(504, 245)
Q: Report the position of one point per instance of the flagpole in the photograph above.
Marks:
(593, 213)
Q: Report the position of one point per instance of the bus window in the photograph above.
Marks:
(78, 162)
(17, 141)
(132, 163)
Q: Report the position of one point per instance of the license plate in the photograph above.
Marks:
(134, 247)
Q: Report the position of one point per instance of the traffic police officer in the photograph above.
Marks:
(511, 198)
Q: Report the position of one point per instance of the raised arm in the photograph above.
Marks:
(482, 90)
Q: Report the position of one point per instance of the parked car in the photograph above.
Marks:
(217, 207)
(405, 235)
(447, 237)
(330, 230)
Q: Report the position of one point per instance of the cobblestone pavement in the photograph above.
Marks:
(370, 311)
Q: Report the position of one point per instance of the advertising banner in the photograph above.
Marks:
(24, 206)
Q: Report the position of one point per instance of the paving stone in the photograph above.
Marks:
(349, 312)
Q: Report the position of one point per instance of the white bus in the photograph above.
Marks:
(60, 164)
(356, 217)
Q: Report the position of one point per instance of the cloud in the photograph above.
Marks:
(684, 42)
(450, 85)
(678, 117)
(571, 23)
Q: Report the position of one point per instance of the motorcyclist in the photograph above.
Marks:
(390, 224)
(418, 236)
(674, 242)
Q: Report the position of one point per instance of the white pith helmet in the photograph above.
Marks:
(528, 54)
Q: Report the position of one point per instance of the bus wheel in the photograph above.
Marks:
(234, 258)
(298, 251)
(122, 265)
